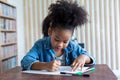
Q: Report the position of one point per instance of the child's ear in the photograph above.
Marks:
(49, 31)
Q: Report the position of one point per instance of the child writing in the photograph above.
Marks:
(57, 48)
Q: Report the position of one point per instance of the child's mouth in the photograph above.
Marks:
(57, 49)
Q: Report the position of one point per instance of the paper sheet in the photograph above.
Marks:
(62, 69)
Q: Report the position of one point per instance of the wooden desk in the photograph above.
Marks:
(102, 72)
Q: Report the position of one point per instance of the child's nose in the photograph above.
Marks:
(60, 44)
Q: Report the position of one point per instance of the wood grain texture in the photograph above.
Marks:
(102, 72)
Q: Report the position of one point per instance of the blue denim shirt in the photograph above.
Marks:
(43, 52)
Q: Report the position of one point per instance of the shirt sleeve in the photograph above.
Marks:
(30, 58)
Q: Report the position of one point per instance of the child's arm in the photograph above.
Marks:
(49, 66)
(80, 61)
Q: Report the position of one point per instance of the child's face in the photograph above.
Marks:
(60, 38)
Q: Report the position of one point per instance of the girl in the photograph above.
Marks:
(57, 49)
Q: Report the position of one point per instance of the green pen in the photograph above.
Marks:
(79, 73)
(88, 70)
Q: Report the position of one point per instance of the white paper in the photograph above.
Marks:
(67, 69)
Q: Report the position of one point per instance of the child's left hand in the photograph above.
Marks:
(79, 62)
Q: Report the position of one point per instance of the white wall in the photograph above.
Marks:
(20, 28)
(101, 34)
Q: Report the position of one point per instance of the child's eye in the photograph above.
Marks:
(56, 40)
(65, 42)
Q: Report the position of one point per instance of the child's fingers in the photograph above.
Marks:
(54, 68)
(55, 63)
(81, 66)
(58, 62)
(73, 63)
(75, 66)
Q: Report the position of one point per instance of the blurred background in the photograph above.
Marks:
(101, 35)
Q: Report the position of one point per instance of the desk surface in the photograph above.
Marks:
(102, 72)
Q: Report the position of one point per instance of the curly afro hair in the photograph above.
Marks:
(66, 14)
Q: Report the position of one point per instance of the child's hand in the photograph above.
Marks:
(79, 62)
(54, 65)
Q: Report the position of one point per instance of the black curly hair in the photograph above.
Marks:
(65, 14)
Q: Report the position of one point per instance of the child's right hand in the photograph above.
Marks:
(53, 65)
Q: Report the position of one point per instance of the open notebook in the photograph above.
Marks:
(67, 69)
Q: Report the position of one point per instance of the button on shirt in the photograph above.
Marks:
(43, 52)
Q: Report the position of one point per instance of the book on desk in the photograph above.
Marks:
(64, 70)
